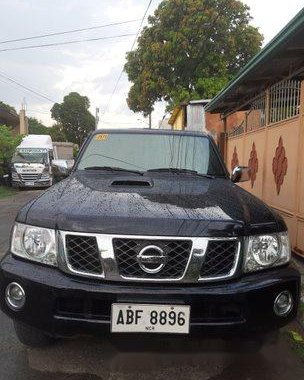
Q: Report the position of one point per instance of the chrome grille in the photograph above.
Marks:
(115, 257)
(177, 254)
(83, 255)
(220, 258)
(29, 177)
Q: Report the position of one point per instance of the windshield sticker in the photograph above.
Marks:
(101, 137)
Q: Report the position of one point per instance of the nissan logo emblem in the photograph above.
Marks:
(151, 259)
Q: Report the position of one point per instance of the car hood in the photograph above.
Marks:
(153, 204)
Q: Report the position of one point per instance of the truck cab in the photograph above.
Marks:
(31, 165)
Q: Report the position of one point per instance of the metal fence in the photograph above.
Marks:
(284, 103)
(237, 130)
(284, 100)
(256, 116)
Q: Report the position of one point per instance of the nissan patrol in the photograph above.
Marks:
(148, 234)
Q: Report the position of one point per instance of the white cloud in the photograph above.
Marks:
(272, 15)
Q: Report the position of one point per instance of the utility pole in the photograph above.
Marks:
(96, 118)
(150, 120)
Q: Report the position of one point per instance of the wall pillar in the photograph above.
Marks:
(23, 127)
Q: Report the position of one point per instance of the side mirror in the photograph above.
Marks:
(62, 168)
(5, 180)
(240, 174)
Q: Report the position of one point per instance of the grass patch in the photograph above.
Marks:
(301, 307)
(6, 192)
(296, 340)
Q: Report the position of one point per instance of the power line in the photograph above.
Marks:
(66, 42)
(141, 24)
(26, 88)
(17, 88)
(134, 42)
(7, 76)
(68, 31)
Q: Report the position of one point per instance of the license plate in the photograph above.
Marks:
(136, 318)
(30, 183)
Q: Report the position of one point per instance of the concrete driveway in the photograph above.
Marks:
(90, 359)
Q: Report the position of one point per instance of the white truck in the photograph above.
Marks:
(34, 161)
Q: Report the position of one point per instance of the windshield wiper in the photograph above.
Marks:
(181, 171)
(113, 169)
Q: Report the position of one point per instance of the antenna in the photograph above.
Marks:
(24, 105)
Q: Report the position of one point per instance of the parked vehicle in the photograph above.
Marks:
(34, 162)
(31, 163)
(148, 235)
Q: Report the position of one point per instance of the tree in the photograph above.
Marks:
(57, 133)
(8, 144)
(190, 50)
(35, 127)
(74, 116)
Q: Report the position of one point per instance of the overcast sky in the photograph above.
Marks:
(90, 68)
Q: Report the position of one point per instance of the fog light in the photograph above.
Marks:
(15, 296)
(283, 303)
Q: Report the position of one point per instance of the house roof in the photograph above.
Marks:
(200, 101)
(175, 112)
(281, 57)
(8, 117)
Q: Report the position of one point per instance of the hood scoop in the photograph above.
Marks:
(132, 183)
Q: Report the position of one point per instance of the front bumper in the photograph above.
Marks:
(37, 183)
(63, 305)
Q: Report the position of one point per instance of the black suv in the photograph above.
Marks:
(148, 234)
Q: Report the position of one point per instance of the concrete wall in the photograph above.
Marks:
(275, 154)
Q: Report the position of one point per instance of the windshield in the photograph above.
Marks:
(30, 157)
(142, 151)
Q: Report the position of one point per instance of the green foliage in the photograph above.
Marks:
(7, 107)
(57, 133)
(75, 151)
(190, 50)
(8, 143)
(74, 116)
(36, 127)
(296, 339)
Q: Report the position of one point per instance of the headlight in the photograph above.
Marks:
(265, 251)
(34, 243)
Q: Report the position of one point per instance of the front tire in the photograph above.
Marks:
(31, 337)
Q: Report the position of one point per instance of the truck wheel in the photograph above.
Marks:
(32, 337)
